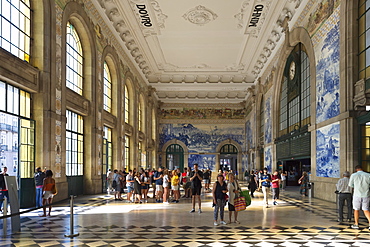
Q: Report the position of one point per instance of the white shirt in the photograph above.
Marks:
(342, 185)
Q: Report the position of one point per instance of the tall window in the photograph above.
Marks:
(107, 150)
(74, 144)
(127, 152)
(127, 105)
(17, 131)
(295, 92)
(364, 39)
(140, 117)
(107, 89)
(262, 121)
(74, 60)
(15, 27)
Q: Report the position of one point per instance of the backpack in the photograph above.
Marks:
(114, 184)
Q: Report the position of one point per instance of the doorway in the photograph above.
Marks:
(229, 158)
(295, 168)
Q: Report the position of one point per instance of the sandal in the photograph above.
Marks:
(237, 222)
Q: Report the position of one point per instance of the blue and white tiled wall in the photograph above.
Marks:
(327, 151)
(268, 125)
(327, 70)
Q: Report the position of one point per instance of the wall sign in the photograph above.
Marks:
(256, 15)
(144, 15)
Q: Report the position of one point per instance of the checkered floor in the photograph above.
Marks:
(152, 224)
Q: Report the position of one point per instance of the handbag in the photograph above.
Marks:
(226, 197)
(240, 204)
(247, 197)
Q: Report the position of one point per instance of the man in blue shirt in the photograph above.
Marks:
(158, 178)
(266, 184)
(360, 182)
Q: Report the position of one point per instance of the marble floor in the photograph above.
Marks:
(102, 221)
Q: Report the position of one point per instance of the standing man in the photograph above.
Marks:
(207, 180)
(158, 178)
(3, 189)
(196, 178)
(345, 194)
(39, 181)
(360, 182)
(265, 183)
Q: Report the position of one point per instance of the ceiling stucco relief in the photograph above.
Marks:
(200, 15)
(214, 46)
(159, 15)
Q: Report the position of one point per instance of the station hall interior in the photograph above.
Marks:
(242, 85)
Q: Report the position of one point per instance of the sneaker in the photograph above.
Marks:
(215, 223)
(340, 220)
(369, 227)
(349, 220)
(192, 211)
(223, 222)
(199, 211)
(354, 227)
(177, 201)
(275, 203)
(166, 203)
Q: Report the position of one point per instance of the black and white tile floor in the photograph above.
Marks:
(101, 221)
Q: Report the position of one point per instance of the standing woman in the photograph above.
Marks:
(166, 185)
(145, 181)
(137, 187)
(233, 188)
(252, 186)
(175, 180)
(303, 181)
(48, 188)
(219, 191)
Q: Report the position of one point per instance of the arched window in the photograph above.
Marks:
(107, 89)
(15, 28)
(295, 92)
(74, 60)
(127, 152)
(127, 105)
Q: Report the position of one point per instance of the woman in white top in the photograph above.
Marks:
(233, 190)
(166, 184)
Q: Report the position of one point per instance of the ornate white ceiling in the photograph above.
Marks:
(205, 51)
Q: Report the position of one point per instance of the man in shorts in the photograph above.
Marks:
(196, 177)
(158, 178)
(360, 182)
(207, 180)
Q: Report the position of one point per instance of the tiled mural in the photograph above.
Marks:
(327, 69)
(327, 151)
(205, 161)
(198, 113)
(268, 159)
(268, 126)
(248, 134)
(201, 137)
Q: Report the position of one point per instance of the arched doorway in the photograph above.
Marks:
(175, 157)
(228, 158)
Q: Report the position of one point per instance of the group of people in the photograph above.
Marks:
(355, 191)
(165, 183)
(44, 187)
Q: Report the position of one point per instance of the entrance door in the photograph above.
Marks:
(295, 168)
(229, 158)
(175, 157)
